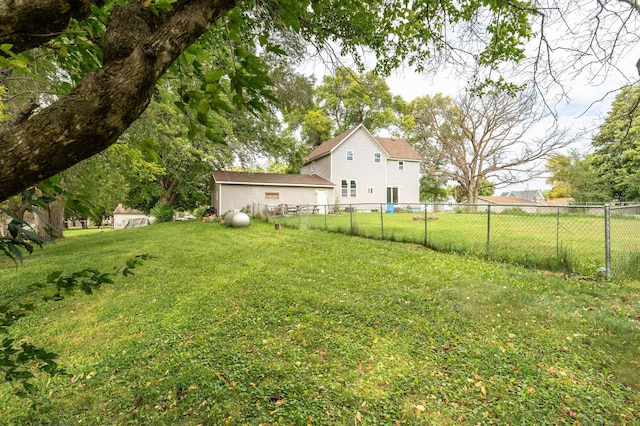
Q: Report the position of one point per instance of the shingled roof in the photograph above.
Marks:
(398, 149)
(125, 210)
(327, 146)
(504, 200)
(247, 178)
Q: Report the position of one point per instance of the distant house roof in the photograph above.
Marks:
(557, 201)
(396, 148)
(529, 194)
(247, 178)
(504, 200)
(124, 210)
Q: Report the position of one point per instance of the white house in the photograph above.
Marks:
(367, 169)
(352, 168)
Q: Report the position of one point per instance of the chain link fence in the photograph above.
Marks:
(589, 240)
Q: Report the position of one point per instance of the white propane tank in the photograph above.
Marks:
(240, 220)
(228, 218)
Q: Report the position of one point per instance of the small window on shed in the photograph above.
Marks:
(272, 195)
(376, 157)
(349, 155)
(400, 165)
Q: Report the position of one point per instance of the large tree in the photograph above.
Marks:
(133, 45)
(617, 147)
(482, 140)
(120, 51)
(575, 176)
(350, 98)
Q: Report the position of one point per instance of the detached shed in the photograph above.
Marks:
(236, 190)
(129, 218)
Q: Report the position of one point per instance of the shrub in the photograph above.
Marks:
(162, 212)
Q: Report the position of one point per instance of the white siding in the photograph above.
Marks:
(406, 180)
(363, 169)
(239, 196)
(322, 168)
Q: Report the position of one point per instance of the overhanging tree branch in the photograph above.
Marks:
(27, 24)
(103, 105)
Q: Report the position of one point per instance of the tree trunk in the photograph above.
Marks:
(54, 216)
(103, 105)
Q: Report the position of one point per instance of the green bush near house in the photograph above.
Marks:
(162, 212)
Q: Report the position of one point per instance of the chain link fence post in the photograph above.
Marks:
(350, 219)
(558, 233)
(607, 241)
(382, 220)
(488, 228)
(425, 225)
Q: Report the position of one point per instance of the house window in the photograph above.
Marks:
(353, 188)
(369, 190)
(345, 188)
(272, 195)
(313, 166)
(400, 165)
(376, 157)
(349, 155)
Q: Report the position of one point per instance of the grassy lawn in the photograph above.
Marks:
(571, 243)
(257, 326)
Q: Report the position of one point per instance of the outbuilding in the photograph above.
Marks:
(239, 190)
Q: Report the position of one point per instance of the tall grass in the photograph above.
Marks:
(258, 326)
(569, 243)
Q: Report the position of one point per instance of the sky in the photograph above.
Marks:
(588, 100)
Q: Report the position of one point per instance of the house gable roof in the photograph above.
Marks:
(398, 149)
(124, 210)
(529, 194)
(279, 179)
(328, 146)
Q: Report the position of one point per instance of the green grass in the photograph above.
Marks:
(257, 326)
(571, 243)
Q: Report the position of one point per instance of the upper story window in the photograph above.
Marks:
(349, 155)
(376, 157)
(313, 166)
(400, 165)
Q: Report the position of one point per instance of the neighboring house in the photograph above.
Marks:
(367, 169)
(237, 190)
(529, 195)
(501, 203)
(129, 218)
(560, 202)
(352, 168)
